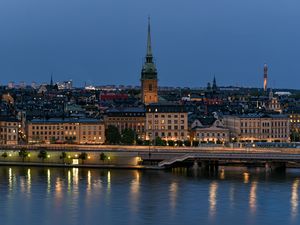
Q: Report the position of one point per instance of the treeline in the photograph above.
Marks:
(129, 137)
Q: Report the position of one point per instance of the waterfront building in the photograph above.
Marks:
(9, 130)
(258, 127)
(167, 121)
(294, 115)
(149, 86)
(68, 130)
(209, 129)
(124, 118)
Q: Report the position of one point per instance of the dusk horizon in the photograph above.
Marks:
(105, 42)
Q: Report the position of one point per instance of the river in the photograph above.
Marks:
(34, 195)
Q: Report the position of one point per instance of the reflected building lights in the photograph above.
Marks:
(48, 180)
(294, 198)
(222, 174)
(231, 194)
(89, 182)
(253, 196)
(75, 179)
(69, 180)
(10, 179)
(213, 198)
(28, 180)
(135, 191)
(173, 191)
(58, 189)
(108, 182)
(246, 177)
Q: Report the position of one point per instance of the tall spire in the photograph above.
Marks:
(149, 55)
(265, 77)
(51, 81)
(214, 86)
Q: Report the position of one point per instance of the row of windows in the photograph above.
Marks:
(64, 127)
(156, 127)
(9, 130)
(9, 137)
(264, 131)
(132, 119)
(263, 124)
(58, 138)
(211, 134)
(62, 133)
(165, 116)
(168, 134)
(10, 124)
(164, 121)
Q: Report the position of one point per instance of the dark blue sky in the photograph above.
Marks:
(104, 41)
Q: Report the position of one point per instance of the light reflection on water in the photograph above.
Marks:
(77, 196)
(294, 198)
(253, 196)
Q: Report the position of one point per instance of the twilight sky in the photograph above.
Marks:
(104, 41)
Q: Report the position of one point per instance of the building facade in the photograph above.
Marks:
(209, 132)
(132, 118)
(169, 122)
(258, 127)
(149, 86)
(72, 131)
(9, 131)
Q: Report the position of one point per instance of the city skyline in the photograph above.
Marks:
(86, 47)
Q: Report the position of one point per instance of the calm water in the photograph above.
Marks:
(96, 196)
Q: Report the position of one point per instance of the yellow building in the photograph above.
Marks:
(258, 127)
(169, 122)
(72, 131)
(131, 118)
(9, 131)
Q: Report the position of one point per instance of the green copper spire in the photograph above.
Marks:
(149, 49)
(149, 69)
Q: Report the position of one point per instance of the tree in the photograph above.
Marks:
(171, 142)
(295, 136)
(23, 154)
(195, 143)
(83, 156)
(42, 155)
(146, 142)
(63, 156)
(139, 141)
(128, 136)
(158, 141)
(112, 135)
(4, 155)
(179, 143)
(103, 156)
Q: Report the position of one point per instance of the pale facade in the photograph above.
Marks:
(215, 132)
(258, 127)
(9, 131)
(169, 122)
(72, 131)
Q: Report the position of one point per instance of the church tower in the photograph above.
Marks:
(149, 87)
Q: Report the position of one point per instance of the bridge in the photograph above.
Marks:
(214, 159)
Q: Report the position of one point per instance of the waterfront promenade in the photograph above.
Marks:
(147, 157)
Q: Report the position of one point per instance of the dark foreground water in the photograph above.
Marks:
(95, 196)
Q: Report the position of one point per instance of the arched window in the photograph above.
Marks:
(150, 87)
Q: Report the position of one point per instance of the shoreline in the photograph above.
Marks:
(112, 166)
